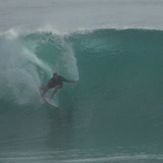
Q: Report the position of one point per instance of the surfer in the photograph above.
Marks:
(55, 82)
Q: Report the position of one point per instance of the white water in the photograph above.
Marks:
(23, 71)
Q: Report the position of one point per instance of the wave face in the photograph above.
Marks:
(116, 102)
(119, 95)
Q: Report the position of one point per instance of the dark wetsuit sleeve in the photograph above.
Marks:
(63, 79)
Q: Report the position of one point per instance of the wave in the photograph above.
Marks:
(119, 91)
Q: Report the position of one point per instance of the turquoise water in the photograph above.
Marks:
(112, 114)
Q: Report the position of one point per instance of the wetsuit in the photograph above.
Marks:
(58, 81)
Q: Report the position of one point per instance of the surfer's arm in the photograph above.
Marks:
(68, 81)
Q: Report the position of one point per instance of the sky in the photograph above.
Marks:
(65, 15)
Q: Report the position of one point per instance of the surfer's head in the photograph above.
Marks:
(55, 75)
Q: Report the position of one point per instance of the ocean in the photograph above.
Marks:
(113, 113)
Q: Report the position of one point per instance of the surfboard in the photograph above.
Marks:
(50, 102)
(46, 99)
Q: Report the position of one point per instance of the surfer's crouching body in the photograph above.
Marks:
(55, 82)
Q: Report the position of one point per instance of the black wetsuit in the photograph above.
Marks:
(56, 81)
